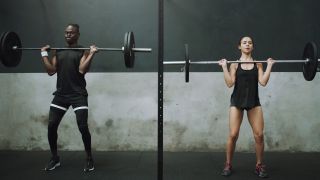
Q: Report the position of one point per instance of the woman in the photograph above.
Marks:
(245, 77)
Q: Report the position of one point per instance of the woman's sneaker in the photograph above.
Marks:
(227, 170)
(261, 171)
(52, 164)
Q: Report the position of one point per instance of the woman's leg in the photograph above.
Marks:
(235, 119)
(255, 117)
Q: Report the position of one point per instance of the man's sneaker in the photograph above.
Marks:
(227, 170)
(52, 164)
(89, 166)
(261, 171)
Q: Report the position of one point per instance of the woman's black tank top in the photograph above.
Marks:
(245, 93)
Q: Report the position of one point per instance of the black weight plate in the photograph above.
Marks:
(10, 57)
(187, 63)
(310, 67)
(125, 49)
(0, 44)
(129, 54)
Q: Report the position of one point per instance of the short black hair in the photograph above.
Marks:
(74, 25)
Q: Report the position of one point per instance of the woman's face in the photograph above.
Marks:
(246, 45)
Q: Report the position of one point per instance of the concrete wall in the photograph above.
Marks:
(123, 102)
(123, 113)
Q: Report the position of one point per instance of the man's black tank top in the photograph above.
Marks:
(70, 82)
(245, 93)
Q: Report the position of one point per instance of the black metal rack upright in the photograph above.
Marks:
(160, 91)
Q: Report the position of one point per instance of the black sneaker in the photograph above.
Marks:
(52, 164)
(261, 171)
(89, 166)
(227, 170)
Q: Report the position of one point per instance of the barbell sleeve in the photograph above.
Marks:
(142, 49)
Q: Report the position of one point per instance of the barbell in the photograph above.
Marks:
(309, 59)
(11, 49)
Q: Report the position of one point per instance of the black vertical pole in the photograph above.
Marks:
(160, 92)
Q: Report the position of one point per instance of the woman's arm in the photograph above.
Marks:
(229, 76)
(264, 76)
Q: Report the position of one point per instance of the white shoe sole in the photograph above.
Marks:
(54, 167)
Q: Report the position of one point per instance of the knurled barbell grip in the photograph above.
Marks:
(276, 61)
(217, 62)
(244, 62)
(85, 48)
(122, 49)
(69, 48)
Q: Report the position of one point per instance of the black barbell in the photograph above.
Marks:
(11, 49)
(309, 59)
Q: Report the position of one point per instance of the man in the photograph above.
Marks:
(71, 67)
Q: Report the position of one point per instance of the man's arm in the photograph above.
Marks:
(86, 59)
(49, 65)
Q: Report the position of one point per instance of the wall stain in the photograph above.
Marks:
(97, 130)
(120, 135)
(175, 132)
(60, 145)
(5, 144)
(109, 123)
(43, 119)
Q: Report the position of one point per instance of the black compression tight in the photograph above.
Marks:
(82, 121)
(55, 117)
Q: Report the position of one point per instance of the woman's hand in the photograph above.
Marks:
(270, 61)
(223, 63)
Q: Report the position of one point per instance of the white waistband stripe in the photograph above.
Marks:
(81, 107)
(59, 107)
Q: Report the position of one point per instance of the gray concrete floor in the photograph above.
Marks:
(143, 166)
